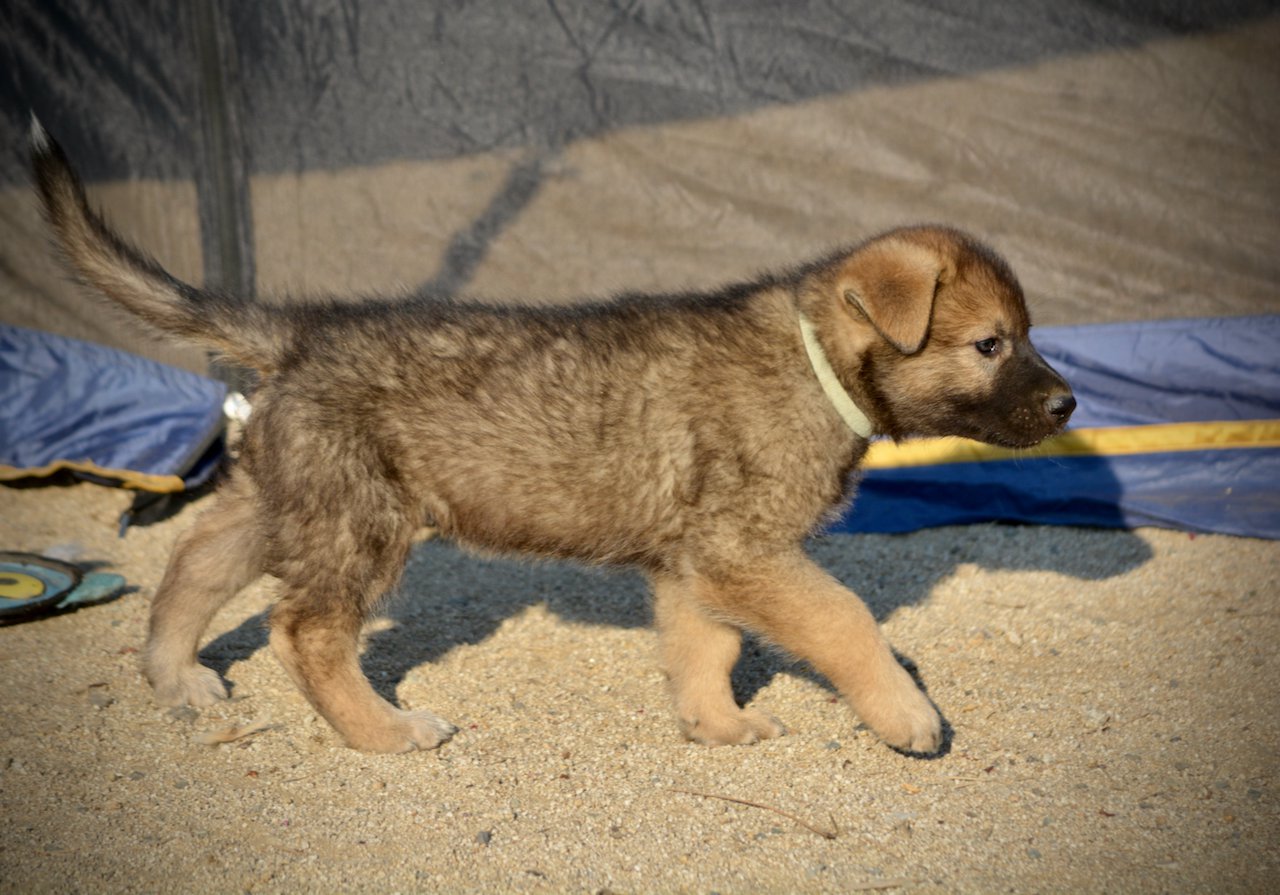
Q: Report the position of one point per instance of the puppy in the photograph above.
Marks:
(699, 437)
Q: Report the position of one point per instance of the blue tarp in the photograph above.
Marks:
(107, 414)
(1124, 375)
(104, 414)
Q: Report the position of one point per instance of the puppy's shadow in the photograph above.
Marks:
(450, 598)
(235, 645)
(891, 571)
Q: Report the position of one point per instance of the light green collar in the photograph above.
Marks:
(850, 412)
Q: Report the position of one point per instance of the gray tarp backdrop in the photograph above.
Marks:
(1124, 155)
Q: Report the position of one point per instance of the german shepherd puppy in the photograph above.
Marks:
(700, 437)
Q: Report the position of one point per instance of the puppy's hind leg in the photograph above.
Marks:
(326, 593)
(698, 654)
(212, 562)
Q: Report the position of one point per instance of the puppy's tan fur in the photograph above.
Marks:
(687, 435)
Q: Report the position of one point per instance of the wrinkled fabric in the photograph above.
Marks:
(330, 85)
(1121, 155)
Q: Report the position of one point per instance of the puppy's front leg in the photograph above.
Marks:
(698, 654)
(798, 606)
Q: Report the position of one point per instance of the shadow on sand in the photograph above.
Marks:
(449, 598)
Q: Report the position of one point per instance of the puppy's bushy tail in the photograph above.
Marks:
(248, 332)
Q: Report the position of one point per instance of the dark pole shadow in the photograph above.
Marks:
(470, 246)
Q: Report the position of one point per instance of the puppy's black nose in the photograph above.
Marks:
(1060, 406)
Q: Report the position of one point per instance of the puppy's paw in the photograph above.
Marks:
(405, 732)
(738, 728)
(917, 730)
(904, 718)
(195, 685)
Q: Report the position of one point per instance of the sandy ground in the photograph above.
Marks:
(1112, 695)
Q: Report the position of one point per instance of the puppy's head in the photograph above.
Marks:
(940, 328)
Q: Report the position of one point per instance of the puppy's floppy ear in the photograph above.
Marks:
(892, 281)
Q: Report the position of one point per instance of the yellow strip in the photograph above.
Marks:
(1117, 441)
(141, 481)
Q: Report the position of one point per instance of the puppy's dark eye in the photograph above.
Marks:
(987, 346)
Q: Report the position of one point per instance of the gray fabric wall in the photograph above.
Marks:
(1121, 154)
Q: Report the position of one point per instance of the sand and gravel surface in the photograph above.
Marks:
(1113, 699)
